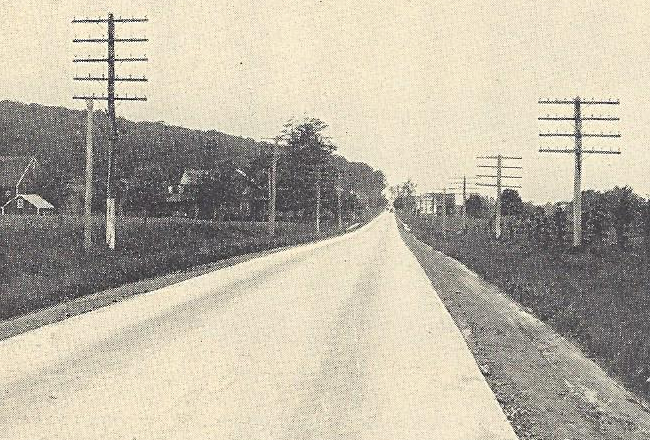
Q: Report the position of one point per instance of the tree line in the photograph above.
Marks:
(151, 156)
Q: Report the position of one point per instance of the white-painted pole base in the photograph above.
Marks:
(110, 223)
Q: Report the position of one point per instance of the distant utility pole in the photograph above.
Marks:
(339, 203)
(88, 200)
(110, 97)
(273, 183)
(578, 151)
(461, 186)
(498, 183)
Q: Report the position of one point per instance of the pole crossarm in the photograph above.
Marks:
(504, 177)
(104, 78)
(572, 151)
(573, 101)
(493, 185)
(603, 135)
(115, 20)
(588, 118)
(502, 157)
(105, 60)
(117, 98)
(503, 167)
(105, 40)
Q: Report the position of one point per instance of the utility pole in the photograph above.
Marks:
(318, 176)
(444, 212)
(88, 200)
(274, 186)
(463, 189)
(498, 183)
(578, 151)
(111, 98)
(339, 204)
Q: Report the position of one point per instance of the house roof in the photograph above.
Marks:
(34, 200)
(193, 177)
(12, 169)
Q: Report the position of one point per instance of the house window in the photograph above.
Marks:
(20, 203)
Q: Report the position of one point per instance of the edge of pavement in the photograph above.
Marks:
(88, 303)
(546, 386)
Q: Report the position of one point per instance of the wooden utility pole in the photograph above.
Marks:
(111, 98)
(318, 201)
(88, 200)
(498, 184)
(463, 190)
(578, 151)
(274, 184)
(444, 212)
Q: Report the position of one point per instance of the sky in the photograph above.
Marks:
(417, 89)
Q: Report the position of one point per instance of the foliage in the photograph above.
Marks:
(623, 205)
(511, 203)
(403, 195)
(56, 136)
(477, 206)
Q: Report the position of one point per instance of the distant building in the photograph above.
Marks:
(18, 175)
(431, 203)
(27, 204)
(183, 199)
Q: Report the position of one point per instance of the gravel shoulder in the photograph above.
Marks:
(546, 386)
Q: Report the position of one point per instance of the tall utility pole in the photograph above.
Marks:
(88, 200)
(111, 98)
(498, 183)
(578, 151)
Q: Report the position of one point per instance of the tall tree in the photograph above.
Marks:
(476, 206)
(511, 203)
(308, 170)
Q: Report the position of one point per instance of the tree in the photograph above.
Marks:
(596, 223)
(476, 206)
(307, 166)
(623, 204)
(511, 203)
(560, 225)
(145, 189)
(403, 196)
(645, 224)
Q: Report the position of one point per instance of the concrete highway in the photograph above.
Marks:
(342, 339)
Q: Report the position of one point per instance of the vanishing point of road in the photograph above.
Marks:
(342, 339)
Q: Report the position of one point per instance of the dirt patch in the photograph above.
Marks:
(547, 388)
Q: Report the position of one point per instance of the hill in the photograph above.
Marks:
(56, 137)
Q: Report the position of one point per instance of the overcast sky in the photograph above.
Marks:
(415, 88)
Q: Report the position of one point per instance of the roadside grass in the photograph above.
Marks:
(42, 260)
(598, 297)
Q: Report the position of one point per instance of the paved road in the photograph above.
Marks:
(341, 339)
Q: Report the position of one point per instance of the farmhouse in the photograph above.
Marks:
(27, 204)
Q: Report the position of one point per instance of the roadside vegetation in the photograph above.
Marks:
(42, 259)
(597, 295)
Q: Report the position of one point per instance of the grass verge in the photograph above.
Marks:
(598, 298)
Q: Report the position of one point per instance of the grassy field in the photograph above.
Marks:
(599, 298)
(42, 260)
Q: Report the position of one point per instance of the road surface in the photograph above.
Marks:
(342, 339)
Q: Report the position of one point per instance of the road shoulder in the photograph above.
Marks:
(545, 385)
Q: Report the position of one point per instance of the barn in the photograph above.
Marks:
(27, 204)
